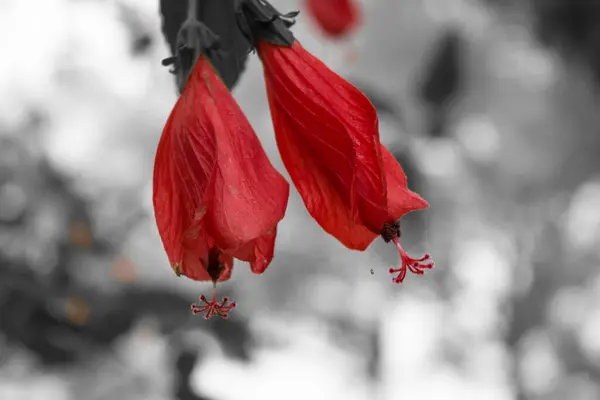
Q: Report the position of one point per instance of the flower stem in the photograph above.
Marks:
(192, 9)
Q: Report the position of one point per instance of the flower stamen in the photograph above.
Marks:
(391, 233)
(414, 265)
(213, 307)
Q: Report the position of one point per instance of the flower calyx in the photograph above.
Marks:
(258, 19)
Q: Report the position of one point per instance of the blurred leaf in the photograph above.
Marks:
(572, 27)
(77, 310)
(140, 33)
(442, 80)
(185, 364)
(123, 271)
(80, 235)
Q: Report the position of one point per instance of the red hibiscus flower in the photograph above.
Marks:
(335, 17)
(328, 137)
(216, 195)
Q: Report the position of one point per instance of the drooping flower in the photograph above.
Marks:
(216, 195)
(328, 137)
(335, 17)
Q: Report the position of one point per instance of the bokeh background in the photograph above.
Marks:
(492, 108)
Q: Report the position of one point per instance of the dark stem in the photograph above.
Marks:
(192, 9)
(192, 16)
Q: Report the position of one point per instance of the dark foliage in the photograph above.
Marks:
(35, 316)
(442, 80)
(219, 16)
(186, 361)
(58, 316)
(572, 27)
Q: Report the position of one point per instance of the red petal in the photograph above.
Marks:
(259, 252)
(322, 199)
(327, 110)
(335, 17)
(401, 200)
(312, 119)
(249, 195)
(167, 200)
(184, 167)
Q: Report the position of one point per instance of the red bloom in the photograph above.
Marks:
(216, 195)
(335, 17)
(327, 134)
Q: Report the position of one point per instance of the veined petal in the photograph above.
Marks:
(249, 196)
(194, 147)
(184, 168)
(401, 200)
(322, 199)
(313, 120)
(295, 74)
(167, 201)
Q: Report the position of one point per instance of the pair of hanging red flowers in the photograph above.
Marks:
(216, 195)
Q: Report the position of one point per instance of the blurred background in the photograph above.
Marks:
(490, 105)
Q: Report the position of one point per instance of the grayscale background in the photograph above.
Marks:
(503, 141)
